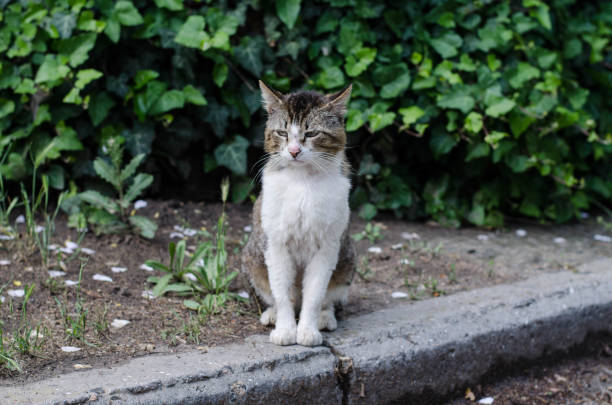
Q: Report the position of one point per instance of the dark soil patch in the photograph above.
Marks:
(439, 261)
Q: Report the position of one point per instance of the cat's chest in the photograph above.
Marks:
(298, 207)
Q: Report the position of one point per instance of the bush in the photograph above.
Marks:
(462, 111)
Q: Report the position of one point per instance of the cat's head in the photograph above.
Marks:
(305, 127)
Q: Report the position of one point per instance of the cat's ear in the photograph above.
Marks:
(338, 101)
(272, 99)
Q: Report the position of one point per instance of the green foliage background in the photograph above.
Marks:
(462, 111)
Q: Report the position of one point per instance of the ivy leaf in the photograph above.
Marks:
(241, 190)
(77, 48)
(500, 107)
(85, 76)
(50, 70)
(249, 54)
(127, 14)
(99, 106)
(170, 100)
(473, 122)
(50, 148)
(288, 11)
(441, 143)
(330, 78)
(447, 44)
(410, 115)
(192, 34)
(459, 99)
(173, 5)
(233, 154)
(217, 116)
(354, 120)
(143, 77)
(193, 95)
(522, 74)
(358, 62)
(220, 72)
(140, 139)
(477, 150)
(394, 79)
(64, 23)
(379, 121)
(494, 137)
(6, 107)
(519, 123)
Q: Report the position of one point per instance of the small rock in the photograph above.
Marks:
(248, 228)
(176, 235)
(483, 237)
(146, 347)
(119, 323)
(138, 204)
(6, 237)
(71, 245)
(375, 249)
(602, 238)
(5, 262)
(244, 294)
(16, 293)
(521, 233)
(397, 246)
(20, 220)
(102, 277)
(148, 294)
(559, 240)
(56, 273)
(81, 366)
(410, 235)
(486, 401)
(69, 349)
(146, 267)
(118, 269)
(88, 251)
(399, 294)
(70, 283)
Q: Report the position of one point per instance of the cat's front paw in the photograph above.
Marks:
(309, 336)
(283, 336)
(268, 317)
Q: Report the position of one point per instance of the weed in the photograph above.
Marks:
(432, 284)
(7, 205)
(101, 324)
(53, 285)
(191, 329)
(26, 339)
(76, 321)
(6, 357)
(491, 268)
(363, 269)
(372, 232)
(452, 275)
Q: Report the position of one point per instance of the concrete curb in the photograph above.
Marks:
(396, 354)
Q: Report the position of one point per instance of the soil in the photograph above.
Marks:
(423, 261)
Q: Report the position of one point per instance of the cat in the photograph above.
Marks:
(300, 254)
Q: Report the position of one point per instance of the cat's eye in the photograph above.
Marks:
(311, 134)
(281, 133)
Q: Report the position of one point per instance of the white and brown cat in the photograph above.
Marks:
(300, 254)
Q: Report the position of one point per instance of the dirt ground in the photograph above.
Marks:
(418, 261)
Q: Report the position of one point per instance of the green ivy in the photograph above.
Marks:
(462, 111)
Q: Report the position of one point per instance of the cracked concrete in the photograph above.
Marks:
(404, 353)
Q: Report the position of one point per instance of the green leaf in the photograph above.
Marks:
(288, 11)
(394, 79)
(473, 122)
(410, 115)
(494, 137)
(64, 23)
(368, 211)
(518, 163)
(66, 140)
(98, 200)
(330, 78)
(191, 304)
(249, 54)
(106, 171)
(129, 170)
(6, 107)
(447, 45)
(143, 77)
(170, 100)
(354, 120)
(141, 182)
(379, 121)
(500, 107)
(173, 5)
(161, 285)
(441, 143)
(241, 190)
(193, 95)
(50, 70)
(192, 34)
(233, 154)
(15, 169)
(459, 99)
(519, 123)
(77, 48)
(127, 14)
(358, 62)
(86, 76)
(145, 226)
(522, 74)
(99, 106)
(477, 150)
(140, 139)
(220, 72)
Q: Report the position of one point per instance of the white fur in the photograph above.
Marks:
(304, 213)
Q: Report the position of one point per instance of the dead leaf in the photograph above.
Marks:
(469, 395)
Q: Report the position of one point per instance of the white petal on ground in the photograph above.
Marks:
(20, 220)
(189, 232)
(148, 294)
(35, 335)
(248, 228)
(71, 245)
(146, 267)
(176, 235)
(191, 277)
(521, 233)
(483, 237)
(399, 294)
(52, 247)
(56, 273)
(4, 262)
(177, 228)
(2, 299)
(410, 235)
(584, 215)
(117, 269)
(102, 277)
(375, 249)
(66, 250)
(119, 323)
(70, 283)
(559, 240)
(69, 349)
(39, 228)
(88, 251)
(404, 261)
(397, 246)
(6, 237)
(138, 204)
(486, 401)
(16, 293)
(602, 238)
(243, 294)
(200, 263)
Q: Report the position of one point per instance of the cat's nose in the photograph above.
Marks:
(294, 150)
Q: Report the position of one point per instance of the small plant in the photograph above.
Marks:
(191, 329)
(432, 284)
(452, 275)
(113, 214)
(372, 232)
(76, 321)
(7, 204)
(101, 324)
(27, 339)
(363, 269)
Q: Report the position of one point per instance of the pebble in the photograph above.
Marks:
(146, 267)
(88, 251)
(69, 349)
(102, 277)
(20, 220)
(148, 294)
(16, 293)
(486, 401)
(397, 246)
(559, 240)
(248, 228)
(483, 237)
(399, 294)
(375, 249)
(138, 204)
(410, 235)
(244, 294)
(56, 273)
(119, 323)
(6, 237)
(70, 283)
(118, 269)
(71, 245)
(521, 233)
(603, 238)
(5, 262)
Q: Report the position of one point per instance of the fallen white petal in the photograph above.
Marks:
(602, 238)
(375, 249)
(176, 235)
(399, 294)
(119, 323)
(397, 246)
(191, 277)
(16, 293)
(243, 294)
(35, 335)
(39, 228)
(138, 204)
(102, 277)
(88, 251)
(146, 267)
(118, 269)
(2, 299)
(66, 250)
(410, 235)
(6, 237)
(248, 228)
(70, 283)
(404, 261)
(71, 245)
(69, 349)
(200, 262)
(20, 220)
(5, 262)
(486, 401)
(148, 294)
(52, 247)
(483, 237)
(521, 233)
(189, 232)
(56, 273)
(559, 240)
(178, 228)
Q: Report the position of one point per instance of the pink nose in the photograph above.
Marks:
(294, 150)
